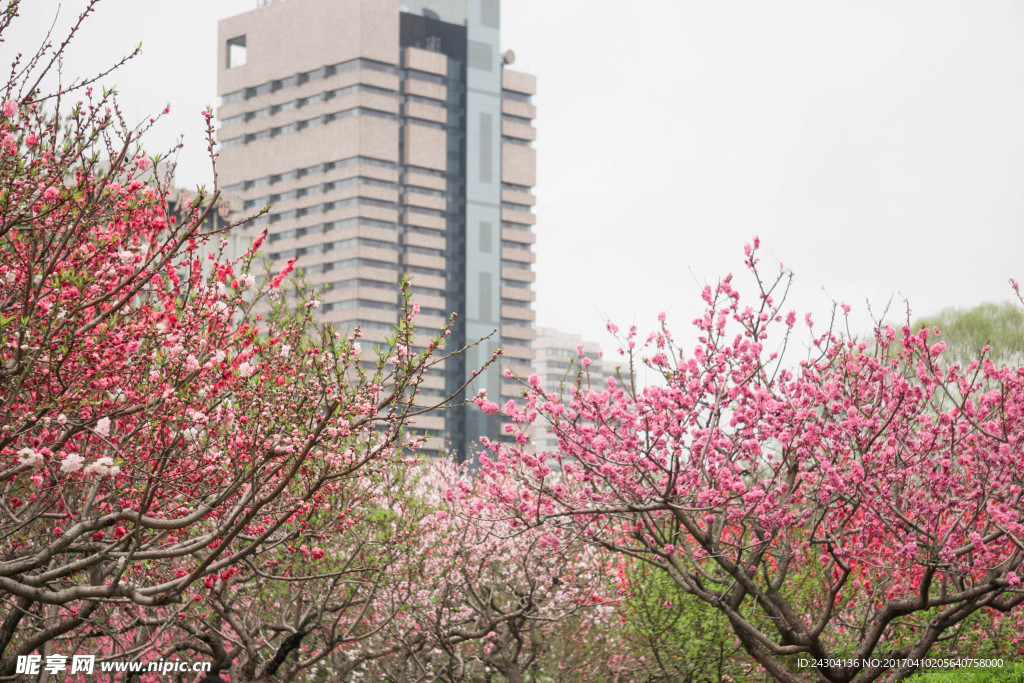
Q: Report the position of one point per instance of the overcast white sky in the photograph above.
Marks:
(876, 147)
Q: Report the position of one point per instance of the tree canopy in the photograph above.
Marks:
(967, 331)
(850, 510)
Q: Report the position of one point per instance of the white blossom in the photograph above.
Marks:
(31, 457)
(102, 466)
(72, 463)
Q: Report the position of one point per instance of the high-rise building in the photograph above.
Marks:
(391, 139)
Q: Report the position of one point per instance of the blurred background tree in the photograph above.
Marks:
(967, 331)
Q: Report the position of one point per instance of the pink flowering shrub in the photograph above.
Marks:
(860, 503)
(169, 440)
(478, 597)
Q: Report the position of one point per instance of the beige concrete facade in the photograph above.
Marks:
(346, 122)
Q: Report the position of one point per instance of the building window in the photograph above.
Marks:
(425, 76)
(516, 96)
(237, 53)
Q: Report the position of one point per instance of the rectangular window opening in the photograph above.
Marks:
(237, 53)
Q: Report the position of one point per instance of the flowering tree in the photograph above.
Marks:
(850, 511)
(395, 582)
(305, 605)
(480, 601)
(170, 433)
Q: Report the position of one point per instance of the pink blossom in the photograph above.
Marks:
(10, 108)
(102, 426)
(488, 407)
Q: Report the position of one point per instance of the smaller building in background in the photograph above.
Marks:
(558, 359)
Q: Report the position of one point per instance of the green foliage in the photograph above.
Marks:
(687, 639)
(986, 634)
(1009, 673)
(967, 331)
